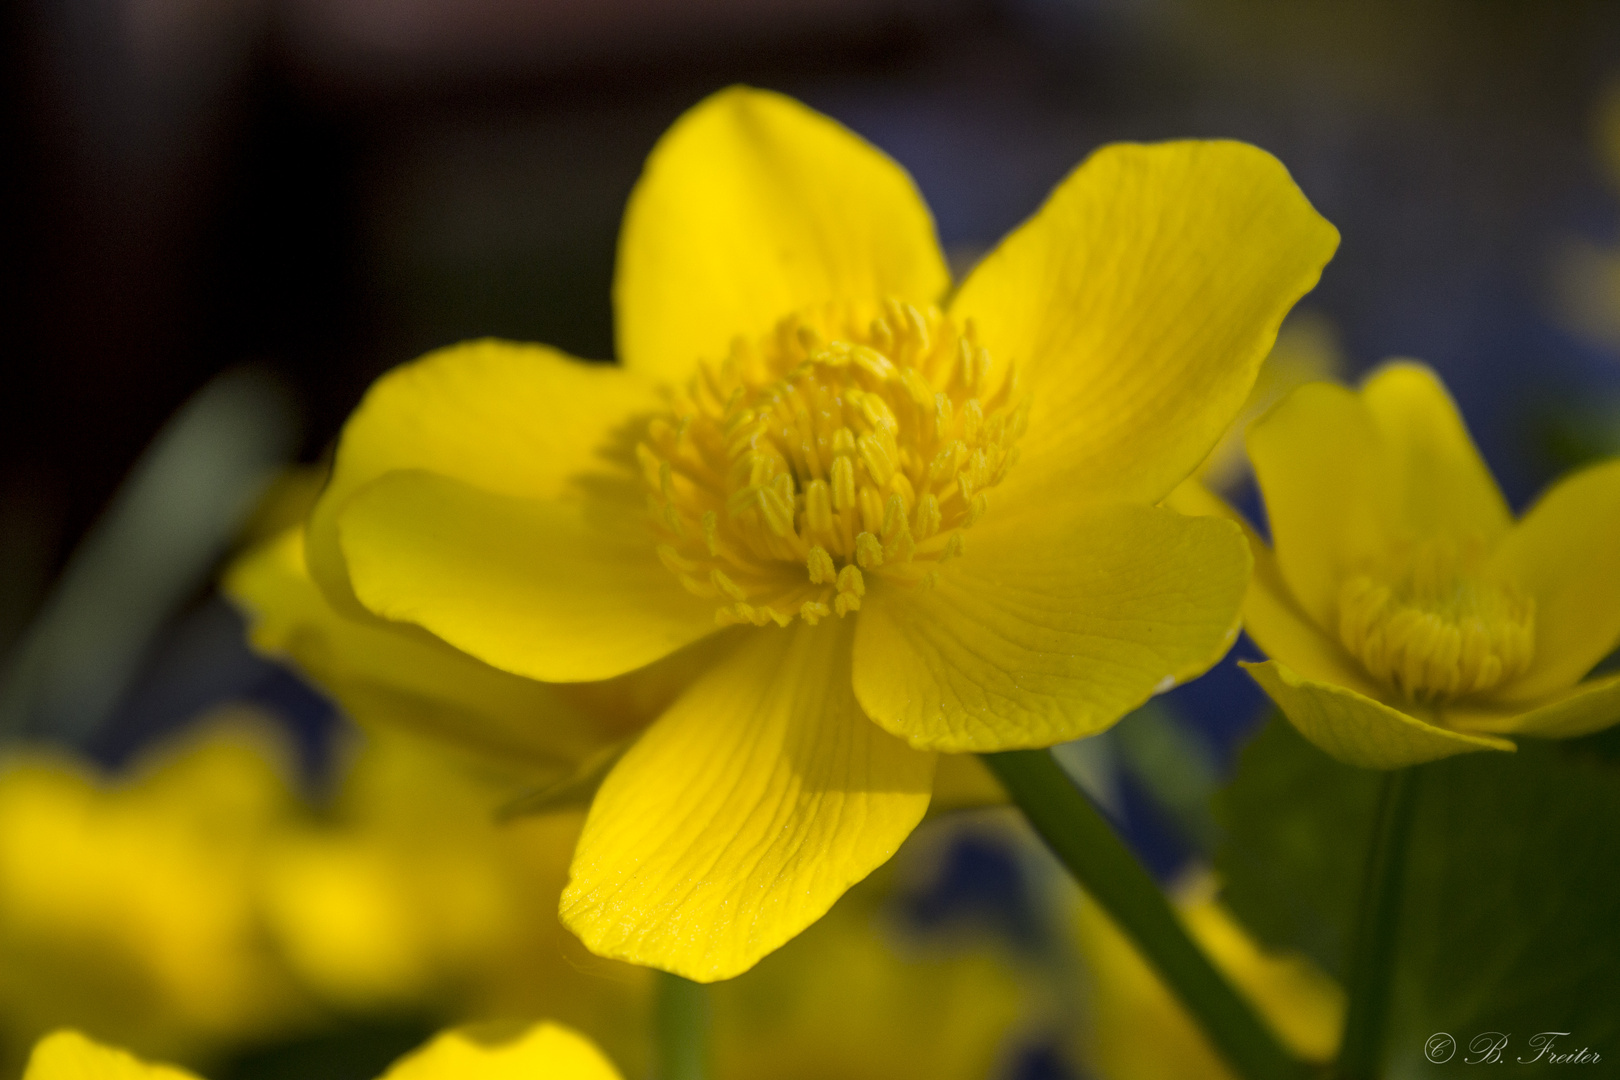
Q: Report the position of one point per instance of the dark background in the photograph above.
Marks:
(326, 188)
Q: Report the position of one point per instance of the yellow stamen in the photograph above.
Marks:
(847, 440)
(1434, 625)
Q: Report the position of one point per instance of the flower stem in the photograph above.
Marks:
(681, 1028)
(1372, 955)
(1087, 845)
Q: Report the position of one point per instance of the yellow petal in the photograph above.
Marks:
(67, 1055)
(510, 419)
(1438, 483)
(545, 1051)
(751, 207)
(1284, 632)
(1358, 730)
(1583, 709)
(1139, 302)
(388, 673)
(1055, 623)
(1566, 552)
(556, 590)
(744, 812)
(1316, 457)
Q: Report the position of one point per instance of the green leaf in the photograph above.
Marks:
(1513, 886)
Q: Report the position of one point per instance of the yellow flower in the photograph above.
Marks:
(544, 1051)
(851, 998)
(1408, 616)
(795, 446)
(1136, 1030)
(130, 907)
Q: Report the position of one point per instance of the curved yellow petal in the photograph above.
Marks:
(545, 1051)
(1284, 632)
(68, 1055)
(1053, 625)
(1566, 552)
(1139, 302)
(964, 782)
(395, 674)
(1583, 709)
(1316, 457)
(1438, 483)
(753, 206)
(744, 812)
(556, 590)
(1358, 730)
(512, 419)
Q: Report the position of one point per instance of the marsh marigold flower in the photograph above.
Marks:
(908, 522)
(1407, 615)
(545, 1051)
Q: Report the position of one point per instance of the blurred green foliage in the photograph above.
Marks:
(1509, 922)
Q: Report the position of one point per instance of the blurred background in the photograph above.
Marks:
(223, 218)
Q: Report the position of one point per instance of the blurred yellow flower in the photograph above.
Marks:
(853, 998)
(408, 895)
(545, 1051)
(1407, 615)
(797, 434)
(129, 907)
(1136, 1030)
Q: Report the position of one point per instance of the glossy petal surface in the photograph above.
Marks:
(563, 591)
(744, 812)
(1316, 456)
(1139, 303)
(522, 420)
(753, 206)
(1436, 482)
(1566, 552)
(1358, 730)
(1053, 625)
(385, 673)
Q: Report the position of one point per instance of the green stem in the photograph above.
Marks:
(1372, 955)
(1087, 845)
(681, 1028)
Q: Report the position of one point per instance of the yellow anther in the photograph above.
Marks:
(818, 510)
(972, 420)
(720, 581)
(820, 564)
(917, 388)
(871, 509)
(843, 484)
(711, 531)
(1434, 624)
(672, 559)
(849, 439)
(868, 551)
(878, 457)
(894, 516)
(925, 519)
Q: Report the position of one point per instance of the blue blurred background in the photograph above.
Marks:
(303, 193)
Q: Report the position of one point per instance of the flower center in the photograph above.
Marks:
(848, 442)
(1433, 624)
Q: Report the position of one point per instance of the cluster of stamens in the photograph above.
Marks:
(846, 443)
(1434, 624)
